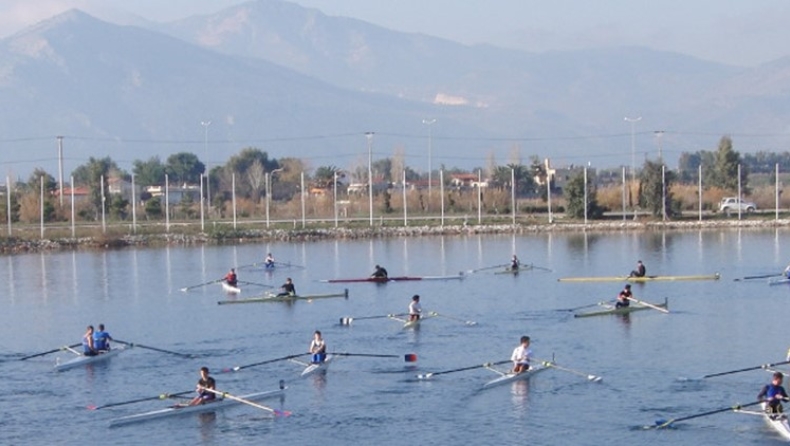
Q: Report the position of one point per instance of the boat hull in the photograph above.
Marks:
(623, 310)
(716, 276)
(79, 361)
(394, 279)
(780, 423)
(779, 282)
(511, 271)
(513, 377)
(230, 288)
(208, 407)
(313, 369)
(275, 298)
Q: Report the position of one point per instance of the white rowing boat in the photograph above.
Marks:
(781, 281)
(81, 359)
(611, 309)
(314, 368)
(219, 403)
(409, 325)
(287, 298)
(228, 288)
(509, 377)
(777, 422)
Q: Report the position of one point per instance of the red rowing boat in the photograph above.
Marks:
(394, 279)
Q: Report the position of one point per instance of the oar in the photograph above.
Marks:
(764, 276)
(348, 319)
(134, 344)
(255, 284)
(433, 313)
(408, 357)
(584, 306)
(50, 351)
(648, 304)
(201, 284)
(748, 369)
(472, 271)
(163, 396)
(660, 424)
(282, 413)
(255, 364)
(593, 378)
(462, 369)
(540, 268)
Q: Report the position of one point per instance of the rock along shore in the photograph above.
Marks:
(11, 245)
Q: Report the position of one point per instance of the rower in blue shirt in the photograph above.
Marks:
(774, 393)
(101, 339)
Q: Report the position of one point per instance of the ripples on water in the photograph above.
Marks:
(651, 363)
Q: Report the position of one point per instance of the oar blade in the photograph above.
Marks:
(410, 357)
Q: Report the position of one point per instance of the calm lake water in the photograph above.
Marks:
(649, 361)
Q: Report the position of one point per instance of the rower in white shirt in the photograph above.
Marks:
(521, 356)
(415, 309)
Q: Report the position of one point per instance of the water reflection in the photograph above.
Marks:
(519, 392)
(44, 287)
(207, 421)
(11, 278)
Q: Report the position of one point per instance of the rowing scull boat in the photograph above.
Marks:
(510, 270)
(276, 298)
(610, 309)
(779, 281)
(311, 368)
(394, 279)
(509, 377)
(715, 276)
(778, 422)
(219, 403)
(407, 324)
(81, 360)
(228, 288)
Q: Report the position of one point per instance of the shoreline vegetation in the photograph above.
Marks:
(225, 233)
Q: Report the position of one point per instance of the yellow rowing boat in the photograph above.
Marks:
(716, 276)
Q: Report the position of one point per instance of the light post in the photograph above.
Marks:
(633, 122)
(429, 123)
(659, 134)
(369, 136)
(205, 125)
(267, 179)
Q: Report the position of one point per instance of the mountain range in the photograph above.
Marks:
(295, 82)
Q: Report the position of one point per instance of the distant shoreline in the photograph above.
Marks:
(13, 245)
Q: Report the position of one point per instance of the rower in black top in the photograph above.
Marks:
(640, 270)
(288, 288)
(379, 273)
(622, 298)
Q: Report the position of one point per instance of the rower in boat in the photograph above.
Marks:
(231, 278)
(205, 382)
(269, 262)
(88, 348)
(317, 348)
(640, 270)
(379, 273)
(287, 289)
(514, 263)
(622, 298)
(773, 394)
(101, 340)
(521, 356)
(415, 309)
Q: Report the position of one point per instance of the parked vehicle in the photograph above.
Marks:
(731, 204)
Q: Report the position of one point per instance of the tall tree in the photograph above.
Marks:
(184, 167)
(34, 182)
(90, 174)
(653, 191)
(149, 173)
(726, 167)
(574, 194)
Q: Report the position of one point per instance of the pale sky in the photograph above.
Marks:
(739, 32)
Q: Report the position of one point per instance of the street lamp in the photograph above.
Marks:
(429, 122)
(659, 134)
(633, 122)
(205, 125)
(369, 136)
